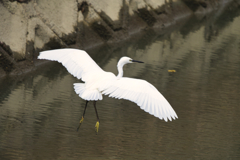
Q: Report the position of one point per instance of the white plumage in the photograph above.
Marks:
(98, 82)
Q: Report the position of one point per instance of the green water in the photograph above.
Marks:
(40, 112)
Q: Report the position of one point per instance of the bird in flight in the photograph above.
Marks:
(99, 82)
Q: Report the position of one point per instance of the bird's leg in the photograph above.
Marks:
(82, 116)
(97, 124)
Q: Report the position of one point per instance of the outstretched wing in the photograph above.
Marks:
(77, 62)
(144, 94)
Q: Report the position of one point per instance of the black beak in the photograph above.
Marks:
(137, 61)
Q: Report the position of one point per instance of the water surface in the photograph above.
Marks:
(39, 112)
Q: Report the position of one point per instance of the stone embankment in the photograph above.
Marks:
(29, 26)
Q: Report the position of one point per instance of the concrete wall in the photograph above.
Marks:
(28, 26)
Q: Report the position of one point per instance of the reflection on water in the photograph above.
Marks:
(39, 113)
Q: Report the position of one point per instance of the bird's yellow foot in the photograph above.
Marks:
(81, 120)
(80, 123)
(97, 126)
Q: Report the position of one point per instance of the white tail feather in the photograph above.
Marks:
(89, 95)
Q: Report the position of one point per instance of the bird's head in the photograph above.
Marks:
(125, 60)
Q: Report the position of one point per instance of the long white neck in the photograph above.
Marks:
(120, 70)
(121, 63)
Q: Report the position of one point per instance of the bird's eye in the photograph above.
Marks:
(130, 60)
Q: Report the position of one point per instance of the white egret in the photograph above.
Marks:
(99, 82)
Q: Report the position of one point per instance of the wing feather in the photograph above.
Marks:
(144, 94)
(77, 62)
